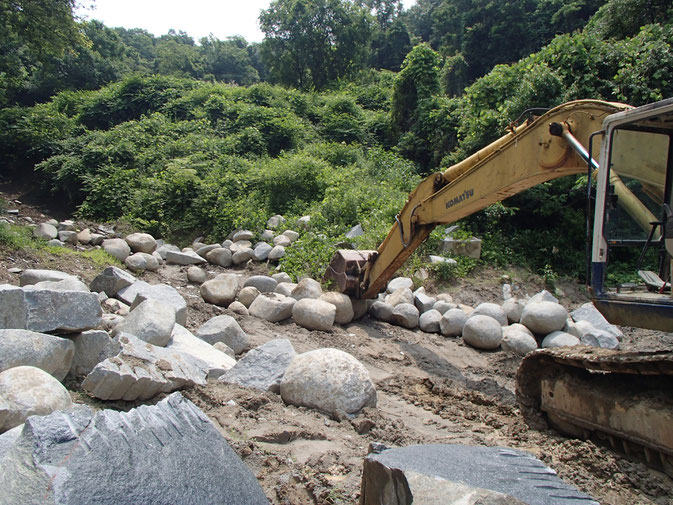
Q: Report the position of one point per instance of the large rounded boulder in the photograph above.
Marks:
(482, 332)
(543, 318)
(328, 380)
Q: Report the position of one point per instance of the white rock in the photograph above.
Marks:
(405, 315)
(543, 317)
(84, 237)
(292, 235)
(559, 339)
(272, 307)
(543, 296)
(151, 321)
(275, 222)
(116, 247)
(518, 342)
(513, 308)
(285, 288)
(399, 282)
(163, 249)
(240, 245)
(442, 306)
(196, 275)
(429, 321)
(141, 242)
(600, 338)
(29, 348)
(281, 277)
(329, 380)
(220, 291)
(152, 263)
(28, 391)
(267, 235)
(307, 288)
(48, 310)
(343, 305)
(185, 257)
(492, 310)
(424, 302)
(182, 340)
(314, 314)
(482, 332)
(589, 313)
(517, 327)
(71, 284)
(225, 329)
(304, 222)
(238, 308)
(452, 322)
(281, 240)
(163, 293)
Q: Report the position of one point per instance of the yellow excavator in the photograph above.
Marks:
(623, 398)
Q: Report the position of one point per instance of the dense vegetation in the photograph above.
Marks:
(338, 113)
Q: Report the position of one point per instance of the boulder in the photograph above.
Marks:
(285, 288)
(405, 315)
(184, 341)
(220, 291)
(517, 327)
(68, 237)
(242, 255)
(429, 321)
(281, 277)
(291, 234)
(68, 284)
(221, 256)
(263, 283)
(247, 295)
(343, 305)
(518, 342)
(152, 263)
(307, 288)
(281, 240)
(452, 322)
(590, 314)
(225, 329)
(197, 275)
(28, 391)
(272, 307)
(263, 367)
(314, 314)
(328, 380)
(275, 222)
(238, 308)
(482, 332)
(243, 235)
(267, 235)
(84, 237)
(423, 302)
(136, 263)
(513, 308)
(141, 242)
(382, 311)
(185, 257)
(442, 306)
(111, 280)
(13, 310)
(141, 370)
(400, 295)
(276, 253)
(162, 250)
(168, 295)
(492, 310)
(304, 222)
(45, 231)
(355, 231)
(61, 311)
(160, 454)
(117, 248)
(543, 296)
(399, 282)
(91, 347)
(544, 317)
(29, 348)
(33, 276)
(600, 338)
(261, 251)
(151, 321)
(559, 339)
(359, 308)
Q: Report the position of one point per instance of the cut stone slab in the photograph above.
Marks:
(52, 354)
(188, 257)
(272, 307)
(589, 313)
(182, 340)
(328, 380)
(263, 367)
(225, 329)
(142, 370)
(463, 475)
(151, 321)
(91, 348)
(111, 280)
(160, 454)
(33, 276)
(61, 311)
(314, 314)
(28, 391)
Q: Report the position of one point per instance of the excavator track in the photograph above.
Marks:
(620, 399)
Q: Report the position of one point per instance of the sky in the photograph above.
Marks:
(199, 18)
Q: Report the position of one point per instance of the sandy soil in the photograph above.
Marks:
(430, 390)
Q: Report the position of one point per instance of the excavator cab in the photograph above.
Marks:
(633, 219)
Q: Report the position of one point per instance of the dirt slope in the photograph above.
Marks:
(430, 390)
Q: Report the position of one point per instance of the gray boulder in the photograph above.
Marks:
(168, 295)
(429, 321)
(518, 342)
(263, 367)
(61, 311)
(282, 240)
(543, 296)
(275, 222)
(243, 235)
(68, 237)
(151, 321)
(91, 347)
(272, 307)
(247, 295)
(543, 317)
(482, 332)
(276, 253)
(423, 302)
(28, 391)
(136, 263)
(600, 338)
(13, 311)
(238, 308)
(159, 454)
(400, 295)
(141, 242)
(405, 315)
(117, 248)
(442, 306)
(359, 308)
(452, 323)
(242, 255)
(197, 275)
(261, 251)
(399, 282)
(328, 380)
(285, 288)
(84, 237)
(343, 305)
(267, 235)
(514, 309)
(45, 231)
(382, 311)
(281, 277)
(307, 288)
(204, 250)
(590, 314)
(225, 329)
(263, 283)
(314, 314)
(28, 348)
(221, 256)
(492, 310)
(162, 250)
(220, 291)
(33, 276)
(185, 257)
(559, 339)
(152, 262)
(111, 280)
(69, 284)
(183, 341)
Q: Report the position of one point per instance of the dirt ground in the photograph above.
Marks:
(431, 389)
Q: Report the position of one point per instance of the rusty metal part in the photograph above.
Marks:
(621, 399)
(347, 268)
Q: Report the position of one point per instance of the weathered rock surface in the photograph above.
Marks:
(452, 322)
(399, 282)
(343, 305)
(263, 283)
(165, 453)
(186, 257)
(45, 231)
(197, 275)
(463, 475)
(117, 248)
(422, 301)
(221, 256)
(543, 317)
(168, 295)
(33, 276)
(263, 367)
(261, 251)
(382, 311)
(151, 321)
(182, 340)
(492, 310)
(272, 307)
(28, 391)
(220, 290)
(307, 288)
(111, 280)
(482, 332)
(276, 253)
(314, 314)
(400, 295)
(328, 380)
(518, 342)
(142, 370)
(224, 329)
(405, 315)
(429, 321)
(285, 288)
(28, 348)
(600, 338)
(91, 347)
(48, 310)
(247, 295)
(141, 242)
(68, 284)
(513, 308)
(559, 339)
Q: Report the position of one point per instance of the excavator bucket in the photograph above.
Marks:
(346, 268)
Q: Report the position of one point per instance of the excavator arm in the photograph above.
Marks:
(525, 156)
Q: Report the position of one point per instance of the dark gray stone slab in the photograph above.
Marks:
(450, 474)
(169, 453)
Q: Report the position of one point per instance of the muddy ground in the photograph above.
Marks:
(430, 389)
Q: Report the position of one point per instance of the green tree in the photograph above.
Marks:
(309, 44)
(228, 60)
